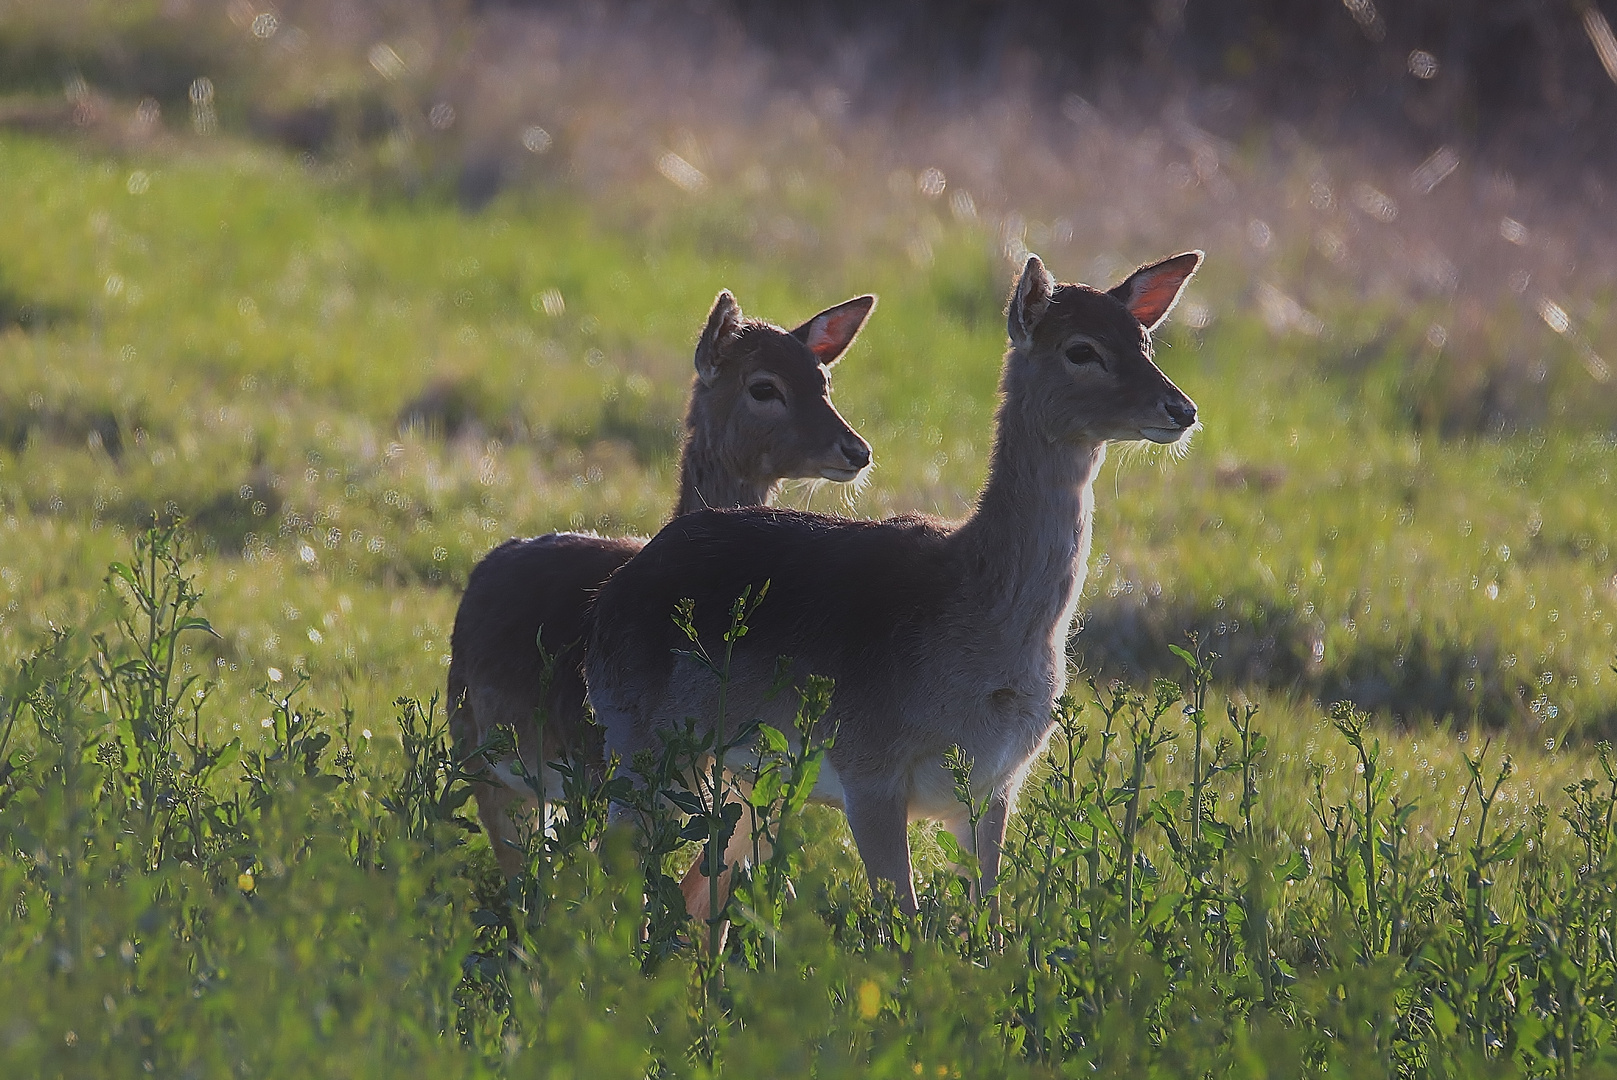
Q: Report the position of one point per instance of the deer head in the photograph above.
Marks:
(1081, 359)
(762, 400)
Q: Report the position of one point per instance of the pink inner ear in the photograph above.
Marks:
(831, 335)
(1153, 297)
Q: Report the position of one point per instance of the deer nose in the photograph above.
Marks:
(857, 453)
(1181, 413)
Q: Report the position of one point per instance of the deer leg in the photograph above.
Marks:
(991, 841)
(496, 802)
(697, 888)
(694, 885)
(499, 809)
(988, 840)
(507, 805)
(879, 821)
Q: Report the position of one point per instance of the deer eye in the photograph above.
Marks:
(765, 391)
(1084, 353)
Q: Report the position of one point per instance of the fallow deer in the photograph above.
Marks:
(760, 412)
(936, 634)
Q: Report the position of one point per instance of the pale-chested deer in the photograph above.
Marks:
(760, 412)
(936, 634)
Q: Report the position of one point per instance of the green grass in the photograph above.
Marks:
(309, 901)
(353, 399)
(353, 396)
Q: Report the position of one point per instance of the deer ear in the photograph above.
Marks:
(1152, 291)
(723, 324)
(1029, 301)
(829, 333)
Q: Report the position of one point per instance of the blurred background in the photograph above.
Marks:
(1453, 152)
(366, 286)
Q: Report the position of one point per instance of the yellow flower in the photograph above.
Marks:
(869, 999)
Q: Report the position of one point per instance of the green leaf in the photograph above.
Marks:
(687, 802)
(805, 786)
(1505, 849)
(1443, 1019)
(1296, 868)
(774, 738)
(1102, 823)
(1185, 655)
(959, 856)
(951, 846)
(1172, 801)
(617, 789)
(1162, 910)
(1354, 887)
(766, 790)
(227, 754)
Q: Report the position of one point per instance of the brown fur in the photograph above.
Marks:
(936, 634)
(533, 593)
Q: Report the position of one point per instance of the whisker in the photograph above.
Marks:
(796, 492)
(1179, 449)
(1126, 454)
(856, 487)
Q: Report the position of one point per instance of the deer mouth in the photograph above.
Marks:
(1165, 434)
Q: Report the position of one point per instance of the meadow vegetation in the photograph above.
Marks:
(306, 899)
(244, 846)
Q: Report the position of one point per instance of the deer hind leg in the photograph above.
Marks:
(508, 818)
(697, 887)
(880, 822)
(991, 837)
(741, 848)
(987, 843)
(493, 802)
(510, 814)
(506, 805)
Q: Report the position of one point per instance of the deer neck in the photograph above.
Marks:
(706, 481)
(1027, 545)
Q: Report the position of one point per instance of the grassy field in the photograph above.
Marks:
(351, 395)
(355, 400)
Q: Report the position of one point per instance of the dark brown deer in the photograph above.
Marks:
(760, 412)
(936, 634)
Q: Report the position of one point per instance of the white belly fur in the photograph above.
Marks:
(932, 794)
(550, 781)
(828, 786)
